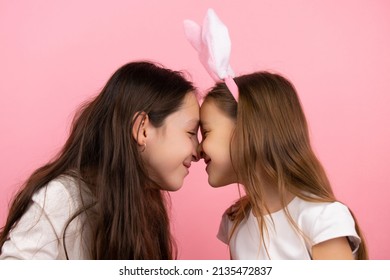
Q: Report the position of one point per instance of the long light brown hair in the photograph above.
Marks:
(128, 218)
(272, 147)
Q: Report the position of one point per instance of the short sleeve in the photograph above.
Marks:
(335, 221)
(223, 232)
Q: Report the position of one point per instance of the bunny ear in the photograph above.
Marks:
(212, 43)
(193, 33)
(215, 35)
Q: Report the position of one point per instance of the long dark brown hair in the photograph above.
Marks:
(272, 146)
(128, 218)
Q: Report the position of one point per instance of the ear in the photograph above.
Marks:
(139, 130)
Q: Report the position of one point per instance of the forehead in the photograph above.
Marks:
(187, 113)
(211, 114)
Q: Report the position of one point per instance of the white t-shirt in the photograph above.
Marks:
(39, 233)
(318, 221)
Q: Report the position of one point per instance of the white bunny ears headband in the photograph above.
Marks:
(212, 42)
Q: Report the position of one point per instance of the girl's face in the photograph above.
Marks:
(217, 129)
(172, 147)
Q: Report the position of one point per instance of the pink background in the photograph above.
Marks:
(55, 55)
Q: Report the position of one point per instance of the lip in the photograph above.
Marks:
(207, 161)
(187, 165)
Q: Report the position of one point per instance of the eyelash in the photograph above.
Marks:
(191, 133)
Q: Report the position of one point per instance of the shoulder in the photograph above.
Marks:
(313, 211)
(322, 221)
(38, 233)
(61, 194)
(224, 228)
(226, 223)
(317, 213)
(236, 214)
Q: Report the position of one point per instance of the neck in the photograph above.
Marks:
(273, 197)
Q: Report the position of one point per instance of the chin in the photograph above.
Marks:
(175, 189)
(215, 184)
(174, 186)
(220, 181)
(171, 188)
(171, 184)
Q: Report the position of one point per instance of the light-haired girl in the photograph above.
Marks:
(255, 134)
(262, 142)
(103, 196)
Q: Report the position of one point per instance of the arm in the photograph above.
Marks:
(333, 233)
(333, 249)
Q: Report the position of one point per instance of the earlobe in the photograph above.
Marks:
(140, 123)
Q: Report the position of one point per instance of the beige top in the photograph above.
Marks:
(39, 233)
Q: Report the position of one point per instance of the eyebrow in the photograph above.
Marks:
(193, 122)
(203, 123)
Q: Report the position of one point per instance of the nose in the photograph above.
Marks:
(195, 152)
(200, 151)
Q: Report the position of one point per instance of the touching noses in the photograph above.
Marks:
(195, 151)
(199, 151)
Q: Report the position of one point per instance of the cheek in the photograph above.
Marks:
(210, 143)
(174, 154)
(215, 148)
(207, 147)
(182, 146)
